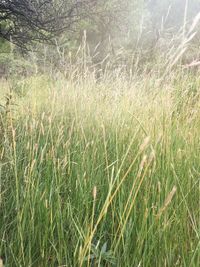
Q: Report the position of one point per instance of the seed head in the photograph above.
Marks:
(94, 192)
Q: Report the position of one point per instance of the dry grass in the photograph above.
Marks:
(89, 164)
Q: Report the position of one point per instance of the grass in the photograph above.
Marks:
(102, 174)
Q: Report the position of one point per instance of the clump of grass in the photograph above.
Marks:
(90, 166)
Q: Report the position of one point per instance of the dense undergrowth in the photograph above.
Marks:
(101, 174)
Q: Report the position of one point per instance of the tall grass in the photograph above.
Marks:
(101, 174)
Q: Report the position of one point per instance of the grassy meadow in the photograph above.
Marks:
(100, 174)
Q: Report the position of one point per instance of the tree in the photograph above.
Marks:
(26, 21)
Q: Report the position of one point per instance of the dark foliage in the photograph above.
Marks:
(25, 21)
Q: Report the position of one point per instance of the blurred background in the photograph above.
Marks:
(114, 34)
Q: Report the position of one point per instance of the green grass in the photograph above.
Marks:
(101, 174)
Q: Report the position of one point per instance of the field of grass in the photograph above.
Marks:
(101, 174)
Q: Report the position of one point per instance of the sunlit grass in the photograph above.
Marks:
(101, 174)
